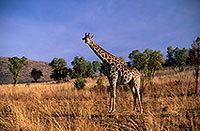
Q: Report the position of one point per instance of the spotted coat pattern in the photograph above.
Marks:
(117, 73)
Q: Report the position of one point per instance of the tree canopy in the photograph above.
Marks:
(36, 74)
(96, 66)
(149, 61)
(60, 71)
(15, 66)
(177, 58)
(79, 66)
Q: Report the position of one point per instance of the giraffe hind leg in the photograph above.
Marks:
(139, 94)
(134, 96)
(135, 88)
(134, 93)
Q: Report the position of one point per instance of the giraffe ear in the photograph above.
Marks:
(92, 36)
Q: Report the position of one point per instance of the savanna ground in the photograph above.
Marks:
(167, 103)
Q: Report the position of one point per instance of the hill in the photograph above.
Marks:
(24, 76)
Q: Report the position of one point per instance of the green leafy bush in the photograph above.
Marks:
(79, 83)
(36, 74)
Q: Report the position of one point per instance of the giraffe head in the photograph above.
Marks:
(87, 38)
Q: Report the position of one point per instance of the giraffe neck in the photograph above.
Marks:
(102, 54)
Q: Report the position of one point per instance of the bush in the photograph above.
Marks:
(79, 83)
(100, 82)
(36, 74)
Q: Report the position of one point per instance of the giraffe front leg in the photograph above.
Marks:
(111, 102)
(113, 83)
(112, 99)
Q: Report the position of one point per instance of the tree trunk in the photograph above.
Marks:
(16, 77)
(15, 80)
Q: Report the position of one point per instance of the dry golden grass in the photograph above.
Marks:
(167, 102)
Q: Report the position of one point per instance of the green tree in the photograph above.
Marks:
(147, 57)
(82, 67)
(138, 59)
(15, 66)
(170, 56)
(99, 67)
(155, 62)
(122, 60)
(180, 58)
(36, 74)
(79, 66)
(96, 66)
(194, 54)
(177, 58)
(103, 70)
(90, 70)
(149, 61)
(59, 70)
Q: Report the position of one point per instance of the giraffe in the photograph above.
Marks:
(117, 73)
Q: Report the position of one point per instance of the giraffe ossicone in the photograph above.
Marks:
(117, 72)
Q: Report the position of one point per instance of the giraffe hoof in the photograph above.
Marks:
(111, 110)
(141, 111)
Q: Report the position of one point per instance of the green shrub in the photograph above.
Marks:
(100, 82)
(36, 74)
(79, 83)
(28, 84)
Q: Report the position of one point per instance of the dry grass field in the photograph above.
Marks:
(167, 102)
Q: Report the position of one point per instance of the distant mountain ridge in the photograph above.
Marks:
(6, 76)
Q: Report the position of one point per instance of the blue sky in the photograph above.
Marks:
(44, 29)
